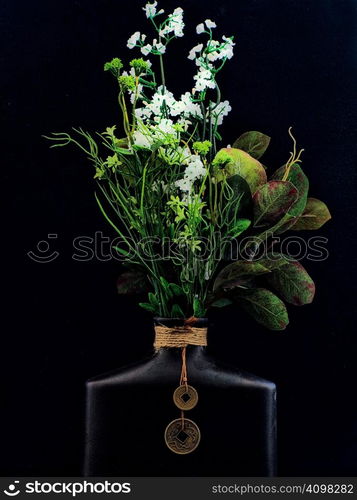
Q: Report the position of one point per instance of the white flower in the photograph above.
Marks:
(213, 55)
(227, 50)
(193, 51)
(178, 22)
(177, 108)
(184, 185)
(200, 28)
(150, 9)
(143, 113)
(174, 24)
(221, 110)
(190, 108)
(146, 49)
(159, 99)
(210, 24)
(195, 170)
(204, 79)
(165, 126)
(160, 48)
(141, 140)
(133, 40)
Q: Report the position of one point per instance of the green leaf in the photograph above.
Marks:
(292, 282)
(147, 307)
(198, 309)
(153, 299)
(123, 151)
(314, 216)
(241, 163)
(131, 282)
(265, 307)
(164, 283)
(231, 275)
(121, 251)
(255, 143)
(177, 312)
(300, 181)
(176, 289)
(239, 227)
(272, 201)
(221, 302)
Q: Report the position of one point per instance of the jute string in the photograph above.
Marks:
(179, 336)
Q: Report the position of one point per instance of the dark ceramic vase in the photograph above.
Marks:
(129, 409)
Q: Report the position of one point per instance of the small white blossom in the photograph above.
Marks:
(213, 55)
(184, 185)
(200, 28)
(159, 99)
(210, 24)
(146, 49)
(193, 51)
(165, 126)
(195, 170)
(133, 40)
(142, 140)
(143, 113)
(150, 9)
(204, 79)
(160, 48)
(178, 22)
(190, 108)
(221, 110)
(227, 50)
(174, 24)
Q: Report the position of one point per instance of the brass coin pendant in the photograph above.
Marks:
(182, 439)
(185, 397)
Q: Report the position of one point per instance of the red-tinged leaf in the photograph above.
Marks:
(272, 201)
(253, 142)
(232, 275)
(243, 164)
(297, 177)
(292, 282)
(265, 307)
(314, 216)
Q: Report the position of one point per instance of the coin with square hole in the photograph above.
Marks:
(182, 436)
(185, 397)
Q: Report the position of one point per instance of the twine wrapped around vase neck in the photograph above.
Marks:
(179, 336)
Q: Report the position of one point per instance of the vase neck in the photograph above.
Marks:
(173, 354)
(178, 333)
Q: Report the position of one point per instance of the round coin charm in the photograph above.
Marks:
(182, 436)
(185, 397)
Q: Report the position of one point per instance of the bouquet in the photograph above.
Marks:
(195, 221)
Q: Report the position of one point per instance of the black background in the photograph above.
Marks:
(294, 64)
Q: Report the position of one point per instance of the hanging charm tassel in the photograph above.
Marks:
(182, 435)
